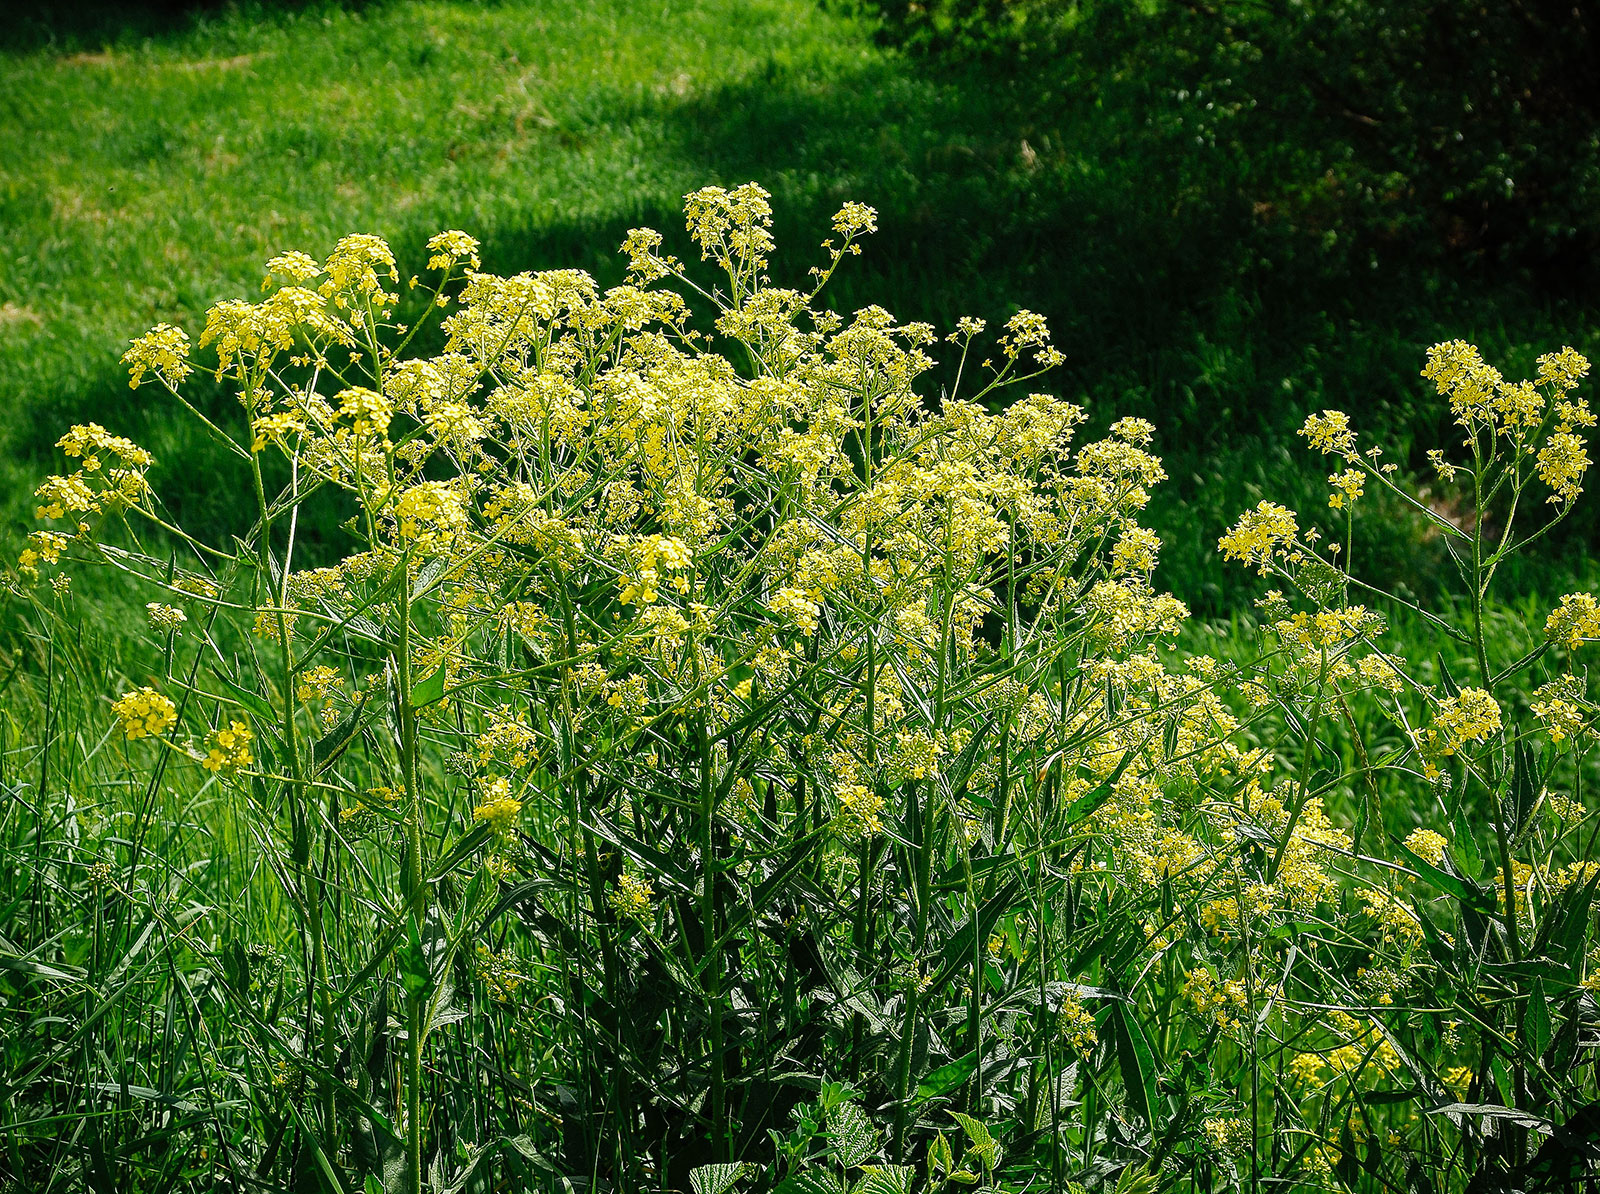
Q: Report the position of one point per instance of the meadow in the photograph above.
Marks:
(631, 726)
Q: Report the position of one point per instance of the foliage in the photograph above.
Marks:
(710, 764)
(1440, 127)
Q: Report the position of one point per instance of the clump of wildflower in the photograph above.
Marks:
(1305, 1069)
(1259, 534)
(1347, 487)
(42, 545)
(915, 756)
(447, 248)
(1398, 921)
(1561, 464)
(1460, 374)
(1229, 1137)
(1135, 552)
(165, 617)
(354, 267)
(630, 898)
(1574, 621)
(164, 351)
(1458, 1078)
(318, 684)
(1076, 1025)
(1559, 707)
(1427, 845)
(793, 603)
(1564, 808)
(1470, 717)
(1381, 671)
(1222, 1002)
(499, 972)
(295, 265)
(430, 512)
(511, 742)
(731, 224)
(228, 748)
(858, 816)
(1330, 432)
(367, 412)
(144, 713)
(499, 809)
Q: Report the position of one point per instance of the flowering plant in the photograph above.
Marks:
(695, 718)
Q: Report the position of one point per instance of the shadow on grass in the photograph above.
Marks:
(87, 26)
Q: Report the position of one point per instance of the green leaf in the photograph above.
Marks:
(336, 741)
(429, 691)
(1468, 893)
(979, 1142)
(946, 1078)
(810, 1182)
(1136, 1060)
(1524, 792)
(884, 1179)
(715, 1179)
(854, 1137)
(1451, 688)
(1538, 1022)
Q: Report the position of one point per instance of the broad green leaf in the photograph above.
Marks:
(946, 1078)
(715, 1179)
(854, 1137)
(884, 1179)
(429, 691)
(1136, 1060)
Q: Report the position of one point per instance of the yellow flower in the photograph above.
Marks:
(1427, 845)
(164, 351)
(452, 246)
(1470, 717)
(1330, 432)
(144, 713)
(1260, 533)
(499, 809)
(1575, 620)
(228, 748)
(631, 897)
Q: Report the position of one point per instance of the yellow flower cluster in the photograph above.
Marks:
(499, 810)
(228, 748)
(1574, 621)
(1470, 717)
(1259, 535)
(630, 898)
(144, 713)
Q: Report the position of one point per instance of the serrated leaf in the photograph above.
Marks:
(810, 1182)
(715, 1179)
(884, 1179)
(854, 1137)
